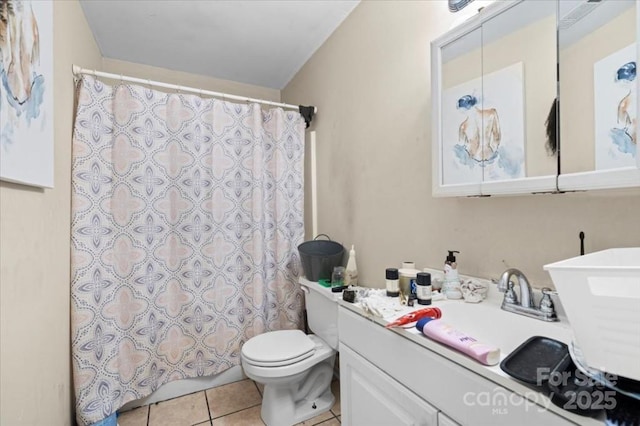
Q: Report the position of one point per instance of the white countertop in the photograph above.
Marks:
(489, 324)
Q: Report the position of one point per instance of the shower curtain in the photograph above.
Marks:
(186, 217)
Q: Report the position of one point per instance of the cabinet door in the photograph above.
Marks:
(489, 121)
(598, 52)
(445, 421)
(369, 397)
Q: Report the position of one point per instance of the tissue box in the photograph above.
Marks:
(601, 296)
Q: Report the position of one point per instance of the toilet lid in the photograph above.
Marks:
(278, 348)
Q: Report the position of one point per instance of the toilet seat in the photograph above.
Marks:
(278, 348)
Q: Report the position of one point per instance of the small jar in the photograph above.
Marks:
(407, 280)
(423, 284)
(337, 276)
(393, 289)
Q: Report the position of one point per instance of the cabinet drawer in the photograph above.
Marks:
(466, 397)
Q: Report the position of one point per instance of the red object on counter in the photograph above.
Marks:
(414, 316)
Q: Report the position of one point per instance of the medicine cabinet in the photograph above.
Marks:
(496, 82)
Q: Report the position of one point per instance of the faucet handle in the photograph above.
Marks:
(546, 304)
(547, 291)
(509, 294)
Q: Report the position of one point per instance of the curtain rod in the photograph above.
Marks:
(78, 70)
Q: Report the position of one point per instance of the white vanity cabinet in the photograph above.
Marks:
(377, 399)
(388, 379)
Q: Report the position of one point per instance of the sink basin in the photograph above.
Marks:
(489, 324)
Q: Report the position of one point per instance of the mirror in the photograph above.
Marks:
(461, 91)
(598, 55)
(494, 82)
(519, 88)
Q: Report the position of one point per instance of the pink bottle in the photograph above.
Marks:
(446, 334)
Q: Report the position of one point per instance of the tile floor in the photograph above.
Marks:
(234, 404)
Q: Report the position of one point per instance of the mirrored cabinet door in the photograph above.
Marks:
(598, 56)
(519, 89)
(494, 82)
(458, 82)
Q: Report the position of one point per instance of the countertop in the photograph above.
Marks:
(489, 324)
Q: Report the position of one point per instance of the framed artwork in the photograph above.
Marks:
(615, 108)
(483, 128)
(26, 92)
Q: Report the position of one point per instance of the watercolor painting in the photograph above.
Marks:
(26, 98)
(615, 102)
(483, 128)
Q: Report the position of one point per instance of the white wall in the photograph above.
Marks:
(189, 80)
(371, 84)
(35, 361)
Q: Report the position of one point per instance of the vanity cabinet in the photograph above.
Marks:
(387, 379)
(377, 399)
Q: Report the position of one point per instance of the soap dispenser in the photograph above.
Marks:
(451, 286)
(351, 272)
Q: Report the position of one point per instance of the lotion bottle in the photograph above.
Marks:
(446, 334)
(351, 272)
(451, 285)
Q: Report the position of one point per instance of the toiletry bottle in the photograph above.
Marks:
(446, 334)
(351, 272)
(407, 275)
(423, 286)
(392, 281)
(451, 285)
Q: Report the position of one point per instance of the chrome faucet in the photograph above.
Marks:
(526, 306)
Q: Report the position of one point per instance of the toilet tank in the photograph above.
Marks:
(322, 311)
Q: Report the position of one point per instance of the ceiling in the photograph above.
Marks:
(261, 42)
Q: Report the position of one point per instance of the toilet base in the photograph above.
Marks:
(308, 409)
(304, 410)
(289, 402)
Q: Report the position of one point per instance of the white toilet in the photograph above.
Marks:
(296, 369)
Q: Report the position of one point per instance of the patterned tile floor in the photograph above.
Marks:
(234, 404)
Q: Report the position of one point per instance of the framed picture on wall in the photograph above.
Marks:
(26, 95)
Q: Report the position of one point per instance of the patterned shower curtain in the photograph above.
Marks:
(187, 214)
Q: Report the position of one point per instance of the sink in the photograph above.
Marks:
(491, 325)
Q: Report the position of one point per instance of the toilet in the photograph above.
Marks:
(296, 369)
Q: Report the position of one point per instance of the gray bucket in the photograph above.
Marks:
(319, 257)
